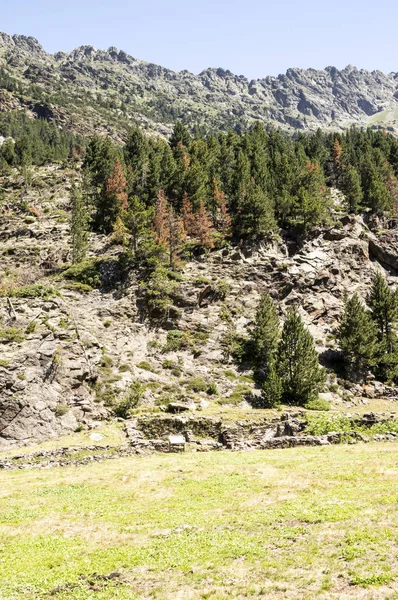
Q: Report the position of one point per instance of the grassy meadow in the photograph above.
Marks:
(301, 523)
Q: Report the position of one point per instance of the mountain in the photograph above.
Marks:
(91, 90)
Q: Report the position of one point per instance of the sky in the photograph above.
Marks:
(254, 38)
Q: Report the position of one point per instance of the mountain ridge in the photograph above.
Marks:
(123, 89)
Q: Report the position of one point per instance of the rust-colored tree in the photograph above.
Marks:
(220, 213)
(337, 163)
(168, 227)
(204, 228)
(176, 235)
(116, 185)
(113, 201)
(188, 216)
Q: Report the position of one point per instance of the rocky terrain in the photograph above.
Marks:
(69, 353)
(91, 90)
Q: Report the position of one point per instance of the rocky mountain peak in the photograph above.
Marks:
(153, 95)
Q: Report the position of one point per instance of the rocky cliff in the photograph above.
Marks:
(106, 90)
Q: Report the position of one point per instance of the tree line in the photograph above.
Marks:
(243, 186)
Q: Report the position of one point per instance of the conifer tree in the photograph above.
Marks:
(176, 235)
(204, 229)
(255, 217)
(297, 362)
(138, 220)
(383, 304)
(180, 135)
(337, 163)
(358, 338)
(120, 233)
(272, 388)
(113, 199)
(115, 187)
(266, 332)
(79, 226)
(188, 216)
(352, 189)
(221, 217)
(376, 194)
(169, 228)
(160, 220)
(312, 196)
(392, 187)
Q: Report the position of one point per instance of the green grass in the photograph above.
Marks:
(303, 523)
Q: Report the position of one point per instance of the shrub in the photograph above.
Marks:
(78, 287)
(61, 409)
(230, 374)
(130, 400)
(222, 289)
(324, 424)
(11, 334)
(31, 327)
(198, 384)
(86, 272)
(176, 340)
(238, 395)
(212, 389)
(106, 361)
(36, 290)
(175, 368)
(318, 404)
(145, 365)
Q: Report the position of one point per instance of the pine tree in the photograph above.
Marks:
(221, 217)
(136, 153)
(79, 226)
(203, 229)
(337, 163)
(383, 304)
(176, 235)
(312, 197)
(255, 217)
(120, 233)
(266, 332)
(180, 135)
(392, 187)
(160, 220)
(188, 216)
(113, 199)
(297, 362)
(352, 189)
(116, 184)
(272, 388)
(169, 228)
(358, 338)
(377, 195)
(138, 220)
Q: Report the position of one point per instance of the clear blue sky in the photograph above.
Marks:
(251, 37)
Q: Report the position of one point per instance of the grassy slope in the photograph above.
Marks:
(303, 523)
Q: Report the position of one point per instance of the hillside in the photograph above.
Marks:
(91, 90)
(71, 352)
(133, 267)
